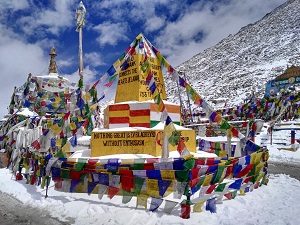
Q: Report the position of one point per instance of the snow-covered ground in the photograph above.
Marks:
(280, 150)
(277, 203)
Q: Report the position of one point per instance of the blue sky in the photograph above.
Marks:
(178, 28)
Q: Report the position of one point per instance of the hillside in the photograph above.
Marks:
(244, 61)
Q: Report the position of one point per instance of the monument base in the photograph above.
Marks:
(136, 141)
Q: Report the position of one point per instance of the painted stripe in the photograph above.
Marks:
(118, 107)
(139, 119)
(123, 113)
(142, 112)
(118, 125)
(138, 106)
(118, 120)
(170, 108)
(140, 125)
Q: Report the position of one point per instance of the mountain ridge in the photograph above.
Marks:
(245, 61)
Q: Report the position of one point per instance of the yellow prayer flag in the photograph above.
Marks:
(242, 192)
(57, 99)
(80, 119)
(260, 176)
(259, 167)
(152, 187)
(73, 126)
(142, 201)
(55, 129)
(198, 206)
(66, 147)
(58, 142)
(258, 157)
(93, 107)
(222, 153)
(87, 96)
(168, 174)
(55, 104)
(253, 158)
(168, 130)
(117, 64)
(207, 180)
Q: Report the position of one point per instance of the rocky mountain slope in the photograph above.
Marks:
(243, 62)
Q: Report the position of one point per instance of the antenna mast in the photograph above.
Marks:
(80, 21)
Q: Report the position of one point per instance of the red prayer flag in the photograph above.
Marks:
(126, 179)
(36, 145)
(112, 191)
(66, 116)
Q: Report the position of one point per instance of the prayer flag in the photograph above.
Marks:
(155, 203)
(101, 191)
(198, 206)
(169, 206)
(142, 201)
(211, 205)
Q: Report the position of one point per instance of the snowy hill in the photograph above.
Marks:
(245, 61)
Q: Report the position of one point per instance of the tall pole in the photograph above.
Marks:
(80, 21)
(80, 53)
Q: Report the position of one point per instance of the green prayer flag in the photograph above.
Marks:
(64, 141)
(79, 166)
(218, 174)
(189, 164)
(225, 125)
(182, 175)
(138, 184)
(65, 173)
(80, 83)
(138, 166)
(221, 187)
(60, 154)
(174, 138)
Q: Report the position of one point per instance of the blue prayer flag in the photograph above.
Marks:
(111, 71)
(236, 184)
(211, 205)
(104, 179)
(153, 174)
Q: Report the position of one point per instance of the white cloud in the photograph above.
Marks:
(53, 20)
(111, 33)
(178, 40)
(94, 59)
(17, 60)
(65, 62)
(154, 23)
(14, 5)
(89, 74)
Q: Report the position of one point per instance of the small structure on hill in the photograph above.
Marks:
(289, 78)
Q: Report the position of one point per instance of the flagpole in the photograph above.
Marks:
(80, 21)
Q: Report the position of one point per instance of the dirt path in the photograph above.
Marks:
(13, 212)
(290, 169)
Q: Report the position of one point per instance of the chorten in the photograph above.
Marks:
(135, 122)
